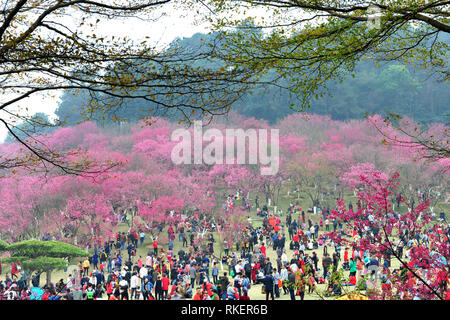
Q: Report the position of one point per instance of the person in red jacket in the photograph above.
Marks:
(172, 290)
(135, 238)
(255, 270)
(155, 247)
(199, 294)
(14, 271)
(109, 289)
(244, 295)
(165, 285)
(45, 296)
(206, 287)
(263, 249)
(442, 280)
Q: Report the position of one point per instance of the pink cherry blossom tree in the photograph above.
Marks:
(380, 232)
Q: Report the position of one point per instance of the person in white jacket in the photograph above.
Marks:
(284, 258)
(134, 285)
(143, 272)
(93, 280)
(69, 282)
(284, 277)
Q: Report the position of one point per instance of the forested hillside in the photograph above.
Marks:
(373, 89)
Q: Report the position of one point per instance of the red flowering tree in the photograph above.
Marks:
(160, 212)
(233, 229)
(377, 229)
(313, 174)
(86, 219)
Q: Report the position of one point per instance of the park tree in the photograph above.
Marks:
(233, 228)
(291, 144)
(43, 256)
(312, 174)
(377, 229)
(353, 177)
(22, 208)
(160, 212)
(313, 41)
(233, 177)
(86, 219)
(3, 245)
(51, 46)
(429, 142)
(310, 43)
(270, 187)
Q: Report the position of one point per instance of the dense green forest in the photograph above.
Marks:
(390, 87)
(374, 89)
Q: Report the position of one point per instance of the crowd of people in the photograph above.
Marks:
(115, 271)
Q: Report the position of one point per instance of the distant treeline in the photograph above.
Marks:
(390, 87)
